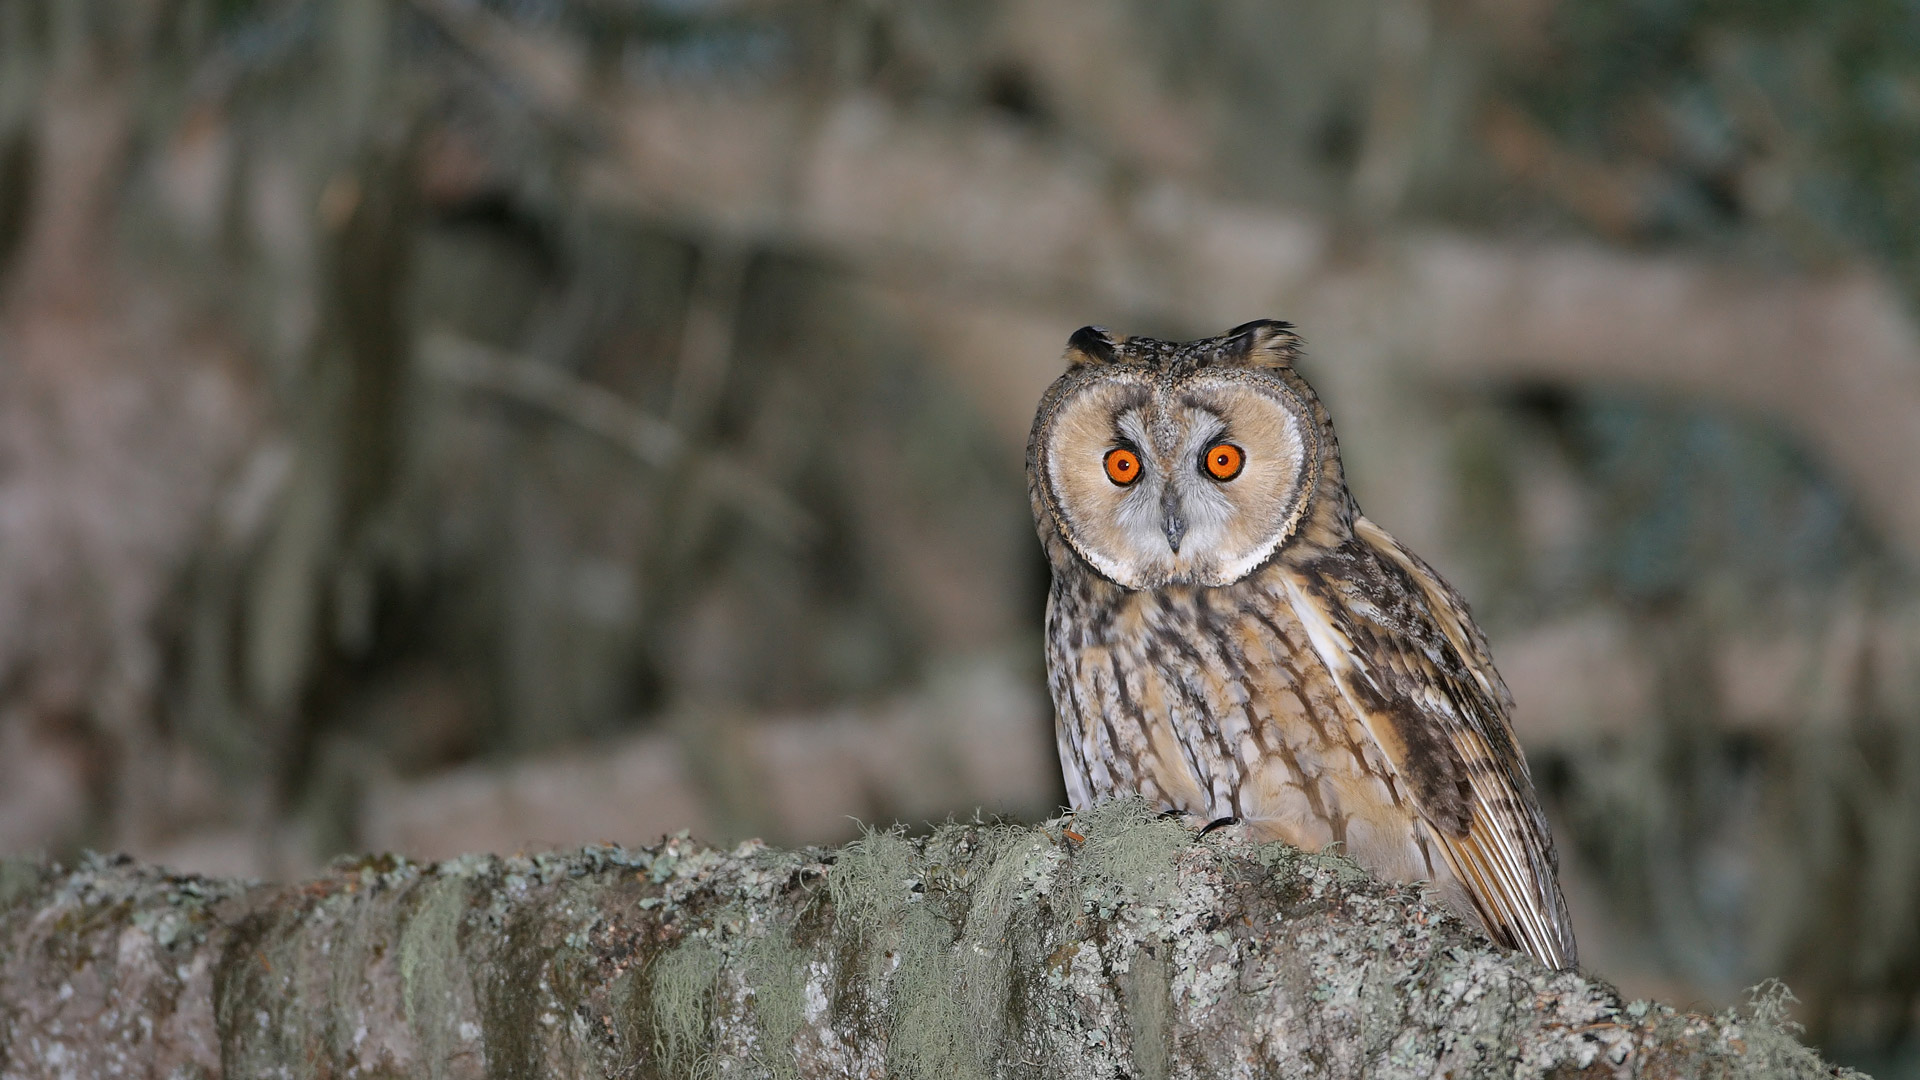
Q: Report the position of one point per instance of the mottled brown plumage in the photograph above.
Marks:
(1229, 637)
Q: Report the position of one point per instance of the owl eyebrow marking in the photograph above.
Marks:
(1207, 412)
(1131, 430)
(1206, 402)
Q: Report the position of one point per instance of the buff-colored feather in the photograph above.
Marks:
(1245, 645)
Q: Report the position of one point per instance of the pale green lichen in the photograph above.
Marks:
(871, 881)
(1146, 989)
(352, 946)
(946, 969)
(1767, 1027)
(19, 878)
(1018, 871)
(932, 1035)
(1128, 854)
(683, 983)
(429, 952)
(777, 973)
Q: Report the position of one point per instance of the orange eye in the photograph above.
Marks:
(1223, 461)
(1123, 466)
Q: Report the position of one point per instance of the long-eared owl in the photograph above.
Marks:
(1228, 637)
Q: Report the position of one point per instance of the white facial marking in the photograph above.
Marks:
(1176, 523)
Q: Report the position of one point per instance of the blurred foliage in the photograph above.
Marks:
(1785, 127)
(1785, 132)
(438, 572)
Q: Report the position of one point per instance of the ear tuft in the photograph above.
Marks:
(1264, 343)
(1090, 345)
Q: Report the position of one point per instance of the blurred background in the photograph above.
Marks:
(462, 425)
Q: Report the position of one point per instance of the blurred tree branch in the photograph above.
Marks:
(651, 441)
(1834, 358)
(1039, 233)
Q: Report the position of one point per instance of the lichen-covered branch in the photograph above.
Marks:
(1114, 944)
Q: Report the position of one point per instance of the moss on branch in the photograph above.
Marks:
(1112, 944)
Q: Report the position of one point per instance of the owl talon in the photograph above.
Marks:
(1219, 823)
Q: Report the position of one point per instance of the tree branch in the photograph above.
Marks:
(1117, 944)
(1034, 233)
(653, 442)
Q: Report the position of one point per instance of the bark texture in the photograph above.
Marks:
(1114, 944)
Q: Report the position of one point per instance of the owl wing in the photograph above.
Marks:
(1408, 658)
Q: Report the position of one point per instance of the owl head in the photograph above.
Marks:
(1169, 463)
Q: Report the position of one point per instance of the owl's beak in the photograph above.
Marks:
(1171, 520)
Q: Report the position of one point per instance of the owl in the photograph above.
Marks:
(1229, 638)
